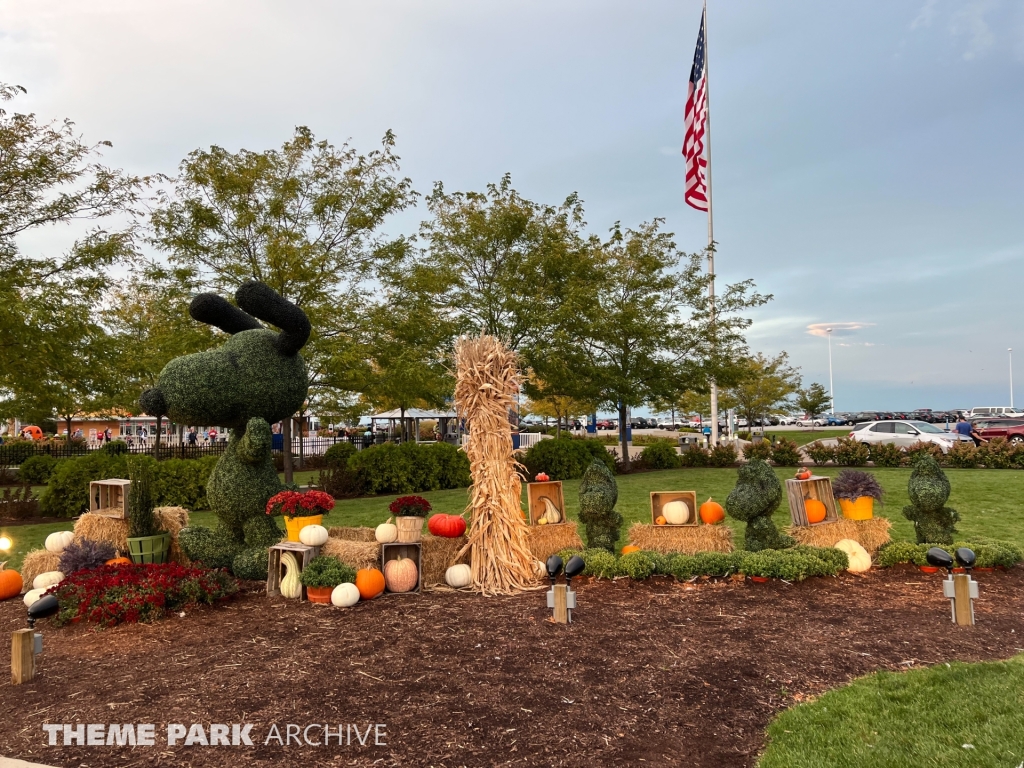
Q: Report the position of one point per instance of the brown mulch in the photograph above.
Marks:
(658, 672)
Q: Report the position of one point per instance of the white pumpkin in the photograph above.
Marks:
(540, 570)
(859, 558)
(32, 595)
(313, 535)
(385, 533)
(47, 580)
(676, 512)
(458, 576)
(345, 595)
(58, 540)
(291, 587)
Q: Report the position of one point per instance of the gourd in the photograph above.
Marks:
(447, 526)
(291, 587)
(58, 540)
(401, 575)
(660, 520)
(458, 576)
(32, 595)
(385, 533)
(118, 561)
(46, 580)
(859, 558)
(815, 511)
(542, 477)
(711, 512)
(540, 569)
(676, 512)
(10, 583)
(313, 535)
(803, 474)
(630, 548)
(370, 583)
(345, 595)
(551, 513)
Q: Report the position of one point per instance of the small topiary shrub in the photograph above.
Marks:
(213, 547)
(84, 555)
(598, 495)
(820, 454)
(929, 489)
(660, 455)
(637, 565)
(600, 563)
(886, 455)
(251, 564)
(36, 470)
(899, 552)
(786, 453)
(755, 498)
(761, 450)
(324, 571)
(794, 564)
(850, 453)
(722, 456)
(339, 454)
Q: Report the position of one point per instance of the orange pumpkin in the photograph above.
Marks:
(815, 511)
(401, 575)
(10, 583)
(370, 583)
(660, 520)
(118, 561)
(630, 548)
(711, 512)
(803, 474)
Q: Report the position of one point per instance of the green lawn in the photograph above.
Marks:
(948, 715)
(986, 498)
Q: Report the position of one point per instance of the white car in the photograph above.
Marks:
(905, 433)
(812, 421)
(787, 421)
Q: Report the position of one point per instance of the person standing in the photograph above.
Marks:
(965, 428)
(192, 436)
(144, 437)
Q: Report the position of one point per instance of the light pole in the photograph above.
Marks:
(831, 391)
(1009, 351)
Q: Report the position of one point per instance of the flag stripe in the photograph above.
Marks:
(695, 123)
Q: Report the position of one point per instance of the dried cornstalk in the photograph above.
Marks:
(487, 382)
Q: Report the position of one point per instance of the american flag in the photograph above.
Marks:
(696, 122)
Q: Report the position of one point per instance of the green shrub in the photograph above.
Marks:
(898, 552)
(820, 454)
(67, 491)
(786, 453)
(15, 450)
(722, 456)
(141, 521)
(660, 455)
(990, 552)
(251, 564)
(661, 561)
(685, 567)
(997, 453)
(182, 482)
(694, 456)
(637, 565)
(601, 563)
(850, 453)
(919, 449)
(36, 470)
(324, 571)
(115, 447)
(835, 560)
(964, 455)
(761, 450)
(794, 564)
(755, 498)
(214, 548)
(410, 468)
(886, 455)
(339, 454)
(565, 458)
(452, 465)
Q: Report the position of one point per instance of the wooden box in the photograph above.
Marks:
(394, 552)
(109, 498)
(551, 489)
(799, 491)
(661, 498)
(303, 553)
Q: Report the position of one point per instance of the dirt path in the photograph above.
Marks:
(659, 672)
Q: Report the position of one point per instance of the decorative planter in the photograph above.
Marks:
(319, 594)
(410, 529)
(295, 524)
(150, 549)
(759, 579)
(928, 569)
(860, 509)
(984, 570)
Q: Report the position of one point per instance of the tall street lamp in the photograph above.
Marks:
(1009, 351)
(831, 391)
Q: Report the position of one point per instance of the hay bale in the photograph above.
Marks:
(361, 533)
(115, 530)
(439, 554)
(870, 534)
(685, 539)
(172, 520)
(37, 561)
(547, 540)
(356, 554)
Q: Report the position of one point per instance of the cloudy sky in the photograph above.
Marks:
(868, 157)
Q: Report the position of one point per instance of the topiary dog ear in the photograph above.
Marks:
(215, 310)
(262, 301)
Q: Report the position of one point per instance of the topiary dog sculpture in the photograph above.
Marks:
(256, 378)
(934, 522)
(755, 498)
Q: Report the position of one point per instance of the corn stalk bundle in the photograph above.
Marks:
(487, 382)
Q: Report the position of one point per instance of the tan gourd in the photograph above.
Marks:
(291, 587)
(551, 513)
(859, 558)
(47, 580)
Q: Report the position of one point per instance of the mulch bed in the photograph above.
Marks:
(655, 672)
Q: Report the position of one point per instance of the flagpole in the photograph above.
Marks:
(711, 219)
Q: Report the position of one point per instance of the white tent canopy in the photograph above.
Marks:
(446, 421)
(414, 413)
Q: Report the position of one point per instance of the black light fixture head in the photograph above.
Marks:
(554, 566)
(42, 608)
(574, 567)
(939, 558)
(965, 557)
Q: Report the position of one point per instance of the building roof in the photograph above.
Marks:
(414, 413)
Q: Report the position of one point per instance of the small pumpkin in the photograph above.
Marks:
(291, 587)
(676, 512)
(447, 526)
(46, 580)
(630, 548)
(345, 595)
(401, 575)
(385, 533)
(803, 474)
(711, 512)
(57, 541)
(540, 570)
(313, 535)
(10, 583)
(542, 477)
(660, 520)
(815, 511)
(370, 583)
(458, 576)
(119, 561)
(32, 595)
(859, 558)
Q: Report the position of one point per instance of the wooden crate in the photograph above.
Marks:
(661, 498)
(303, 553)
(109, 498)
(394, 552)
(799, 491)
(553, 490)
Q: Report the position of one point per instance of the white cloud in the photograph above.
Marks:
(925, 15)
(970, 21)
(838, 329)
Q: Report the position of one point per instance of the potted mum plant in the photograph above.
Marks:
(146, 542)
(322, 575)
(299, 509)
(856, 493)
(409, 512)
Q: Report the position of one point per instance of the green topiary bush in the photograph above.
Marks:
(820, 454)
(182, 482)
(115, 447)
(324, 571)
(761, 450)
(850, 453)
(755, 498)
(694, 456)
(213, 547)
(886, 455)
(990, 552)
(565, 458)
(637, 565)
(660, 455)
(722, 456)
(786, 453)
(251, 564)
(929, 489)
(36, 470)
(894, 552)
(598, 495)
(339, 454)
(794, 564)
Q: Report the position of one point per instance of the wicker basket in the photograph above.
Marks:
(410, 529)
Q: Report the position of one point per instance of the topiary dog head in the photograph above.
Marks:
(255, 373)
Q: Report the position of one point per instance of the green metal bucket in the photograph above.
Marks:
(150, 549)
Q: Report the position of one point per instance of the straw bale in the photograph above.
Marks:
(115, 530)
(546, 540)
(440, 553)
(357, 554)
(871, 534)
(361, 533)
(685, 539)
(37, 561)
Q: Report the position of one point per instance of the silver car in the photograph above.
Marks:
(905, 434)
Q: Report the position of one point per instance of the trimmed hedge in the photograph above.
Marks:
(990, 553)
(786, 453)
(566, 458)
(36, 470)
(411, 468)
(660, 455)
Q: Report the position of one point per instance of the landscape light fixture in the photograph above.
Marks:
(27, 643)
(5, 543)
(573, 569)
(960, 588)
(966, 558)
(937, 557)
(554, 566)
(562, 597)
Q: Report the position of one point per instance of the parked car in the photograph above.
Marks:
(808, 420)
(996, 412)
(1011, 430)
(836, 420)
(904, 434)
(788, 420)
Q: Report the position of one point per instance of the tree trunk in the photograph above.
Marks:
(286, 448)
(623, 432)
(156, 444)
(302, 442)
(401, 424)
(67, 444)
